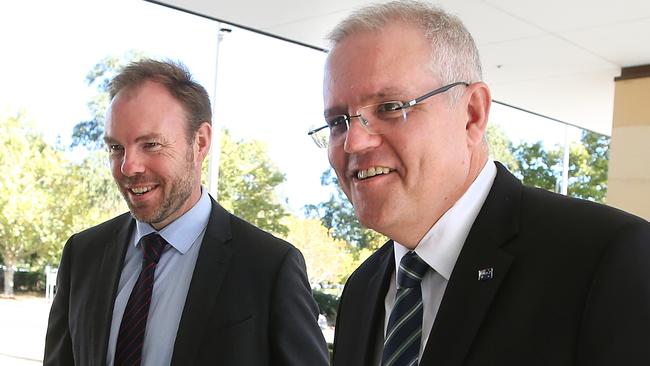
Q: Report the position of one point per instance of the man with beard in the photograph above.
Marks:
(178, 280)
(480, 270)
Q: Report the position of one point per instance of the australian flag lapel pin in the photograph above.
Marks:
(485, 274)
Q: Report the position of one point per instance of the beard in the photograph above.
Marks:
(180, 190)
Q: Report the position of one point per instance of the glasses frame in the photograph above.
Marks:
(405, 105)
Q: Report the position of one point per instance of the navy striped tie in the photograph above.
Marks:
(130, 338)
(402, 343)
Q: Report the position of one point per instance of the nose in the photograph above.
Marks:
(358, 138)
(131, 164)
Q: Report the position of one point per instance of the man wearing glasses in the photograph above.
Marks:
(480, 270)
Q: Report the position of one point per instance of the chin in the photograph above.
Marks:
(371, 219)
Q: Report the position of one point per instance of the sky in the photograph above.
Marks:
(262, 88)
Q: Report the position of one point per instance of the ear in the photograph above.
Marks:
(202, 141)
(478, 109)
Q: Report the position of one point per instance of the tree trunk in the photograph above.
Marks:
(9, 280)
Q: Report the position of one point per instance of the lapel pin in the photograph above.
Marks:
(485, 274)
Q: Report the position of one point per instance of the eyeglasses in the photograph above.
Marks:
(376, 119)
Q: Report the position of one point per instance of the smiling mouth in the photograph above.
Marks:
(372, 171)
(139, 191)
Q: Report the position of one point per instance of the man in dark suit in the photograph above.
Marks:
(480, 270)
(178, 280)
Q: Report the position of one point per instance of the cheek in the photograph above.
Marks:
(116, 167)
(336, 159)
(338, 162)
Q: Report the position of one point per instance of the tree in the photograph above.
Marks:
(31, 221)
(337, 214)
(329, 261)
(501, 148)
(588, 167)
(538, 167)
(89, 133)
(588, 161)
(44, 197)
(247, 182)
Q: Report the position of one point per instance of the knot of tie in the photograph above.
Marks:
(411, 270)
(152, 247)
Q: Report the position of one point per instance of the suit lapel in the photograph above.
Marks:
(371, 332)
(108, 278)
(467, 300)
(209, 272)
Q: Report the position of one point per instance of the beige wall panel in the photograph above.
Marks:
(630, 153)
(632, 103)
(630, 195)
(629, 161)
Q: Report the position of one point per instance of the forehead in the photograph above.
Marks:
(369, 63)
(145, 109)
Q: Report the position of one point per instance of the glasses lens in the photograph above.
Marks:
(321, 137)
(379, 118)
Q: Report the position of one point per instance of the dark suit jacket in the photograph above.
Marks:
(571, 286)
(249, 301)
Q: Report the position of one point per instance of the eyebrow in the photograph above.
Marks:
(383, 95)
(151, 136)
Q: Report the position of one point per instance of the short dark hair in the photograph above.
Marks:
(179, 82)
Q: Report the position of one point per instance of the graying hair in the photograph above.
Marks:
(454, 55)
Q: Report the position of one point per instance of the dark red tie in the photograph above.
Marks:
(134, 321)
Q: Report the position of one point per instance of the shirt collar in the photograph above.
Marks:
(183, 231)
(442, 244)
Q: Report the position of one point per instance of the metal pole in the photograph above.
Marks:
(215, 150)
(565, 162)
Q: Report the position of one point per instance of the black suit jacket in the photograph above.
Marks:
(249, 301)
(571, 286)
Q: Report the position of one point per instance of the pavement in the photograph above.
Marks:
(23, 322)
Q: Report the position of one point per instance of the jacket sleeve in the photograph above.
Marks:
(616, 322)
(296, 337)
(58, 343)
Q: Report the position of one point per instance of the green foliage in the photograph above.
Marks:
(337, 214)
(44, 197)
(537, 166)
(329, 261)
(31, 222)
(89, 133)
(328, 305)
(247, 182)
(588, 162)
(588, 167)
(501, 148)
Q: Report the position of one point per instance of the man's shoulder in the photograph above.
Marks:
(248, 236)
(549, 208)
(106, 228)
(554, 206)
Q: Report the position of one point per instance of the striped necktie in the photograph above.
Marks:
(402, 343)
(130, 338)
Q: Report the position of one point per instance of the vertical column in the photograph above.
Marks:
(629, 160)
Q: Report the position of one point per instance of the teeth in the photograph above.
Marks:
(372, 171)
(141, 190)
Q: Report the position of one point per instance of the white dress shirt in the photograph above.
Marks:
(440, 248)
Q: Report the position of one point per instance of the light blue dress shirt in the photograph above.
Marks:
(171, 284)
